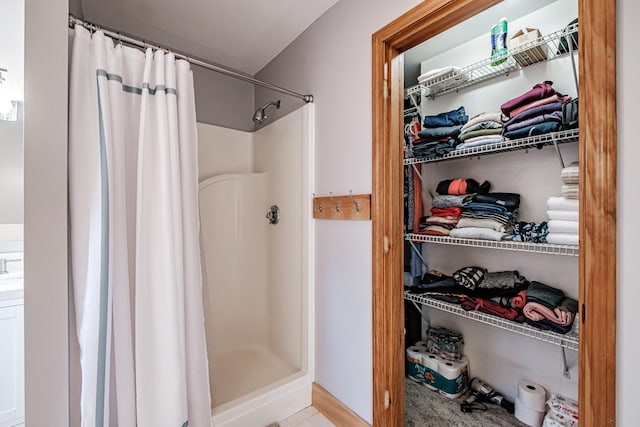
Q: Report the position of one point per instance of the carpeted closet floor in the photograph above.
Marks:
(426, 408)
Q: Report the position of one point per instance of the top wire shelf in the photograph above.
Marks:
(544, 48)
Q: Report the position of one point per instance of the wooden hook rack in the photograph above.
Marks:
(351, 206)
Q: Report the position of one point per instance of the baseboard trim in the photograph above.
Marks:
(336, 411)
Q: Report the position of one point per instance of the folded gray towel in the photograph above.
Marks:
(450, 201)
(502, 280)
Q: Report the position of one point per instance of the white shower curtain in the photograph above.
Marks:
(135, 258)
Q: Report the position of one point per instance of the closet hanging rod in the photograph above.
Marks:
(218, 69)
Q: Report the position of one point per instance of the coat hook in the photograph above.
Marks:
(356, 204)
(319, 208)
(337, 209)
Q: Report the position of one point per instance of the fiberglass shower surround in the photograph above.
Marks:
(257, 288)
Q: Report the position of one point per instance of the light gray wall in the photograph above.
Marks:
(75, 8)
(11, 171)
(222, 100)
(628, 347)
(45, 214)
(332, 60)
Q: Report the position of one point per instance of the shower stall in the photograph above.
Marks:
(257, 274)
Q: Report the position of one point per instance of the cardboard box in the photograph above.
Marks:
(531, 55)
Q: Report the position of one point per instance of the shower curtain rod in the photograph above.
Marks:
(141, 43)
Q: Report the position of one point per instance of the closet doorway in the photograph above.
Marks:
(597, 156)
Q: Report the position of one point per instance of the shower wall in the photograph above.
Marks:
(222, 150)
(257, 276)
(278, 152)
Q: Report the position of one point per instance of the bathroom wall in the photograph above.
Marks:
(628, 233)
(332, 61)
(45, 214)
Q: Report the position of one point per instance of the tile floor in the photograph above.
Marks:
(309, 417)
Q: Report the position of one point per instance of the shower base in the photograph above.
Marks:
(250, 385)
(243, 370)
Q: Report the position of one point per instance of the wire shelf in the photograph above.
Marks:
(569, 340)
(537, 141)
(542, 248)
(516, 59)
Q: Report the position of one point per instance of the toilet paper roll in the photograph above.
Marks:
(430, 361)
(532, 395)
(528, 416)
(454, 376)
(414, 354)
(421, 344)
(415, 370)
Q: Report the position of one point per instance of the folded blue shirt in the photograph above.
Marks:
(537, 129)
(449, 118)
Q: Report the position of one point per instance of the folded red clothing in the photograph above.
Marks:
(490, 307)
(455, 211)
(539, 91)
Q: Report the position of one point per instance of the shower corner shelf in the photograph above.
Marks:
(537, 141)
(542, 248)
(568, 341)
(483, 70)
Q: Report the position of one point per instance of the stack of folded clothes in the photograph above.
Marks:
(439, 134)
(563, 221)
(445, 214)
(447, 206)
(474, 288)
(481, 129)
(535, 112)
(488, 216)
(505, 294)
(549, 309)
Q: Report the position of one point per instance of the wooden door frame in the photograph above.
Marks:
(597, 154)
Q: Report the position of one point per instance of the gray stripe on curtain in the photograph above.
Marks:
(133, 89)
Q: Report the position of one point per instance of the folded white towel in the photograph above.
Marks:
(563, 239)
(564, 215)
(477, 233)
(556, 202)
(560, 226)
(438, 72)
(482, 223)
